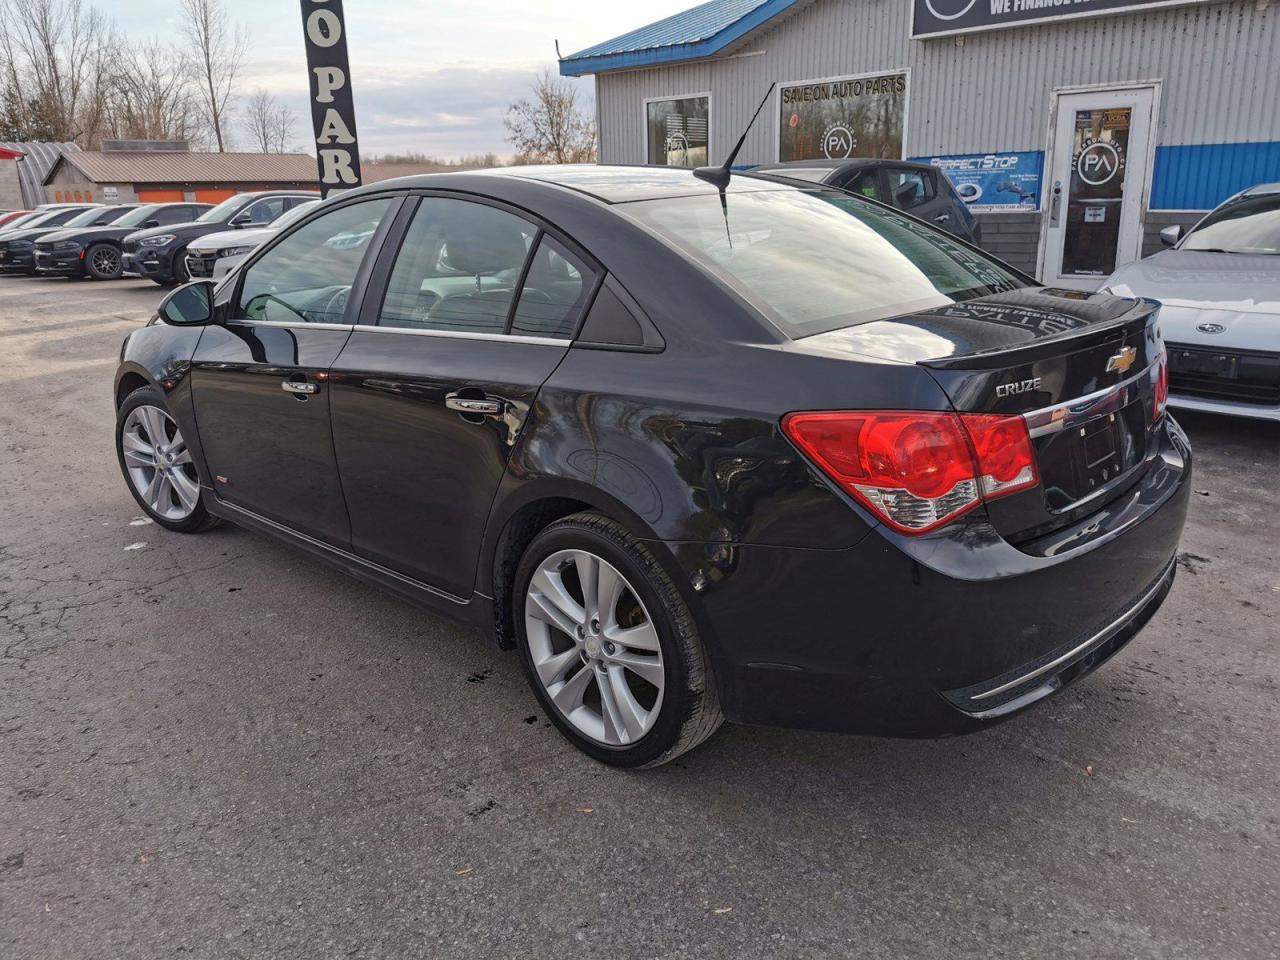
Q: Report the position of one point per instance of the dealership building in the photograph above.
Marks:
(1075, 129)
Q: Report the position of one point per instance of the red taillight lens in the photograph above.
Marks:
(917, 470)
(1162, 384)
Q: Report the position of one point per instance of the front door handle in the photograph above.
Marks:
(293, 386)
(942, 218)
(471, 405)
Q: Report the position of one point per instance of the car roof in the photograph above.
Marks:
(1260, 189)
(608, 183)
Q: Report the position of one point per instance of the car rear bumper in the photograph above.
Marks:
(942, 636)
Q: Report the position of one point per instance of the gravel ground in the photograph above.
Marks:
(215, 747)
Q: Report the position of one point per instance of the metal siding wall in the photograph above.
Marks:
(1217, 62)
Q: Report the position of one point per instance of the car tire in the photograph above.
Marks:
(168, 493)
(102, 261)
(656, 639)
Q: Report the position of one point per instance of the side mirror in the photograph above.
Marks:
(1170, 236)
(240, 220)
(190, 305)
(151, 223)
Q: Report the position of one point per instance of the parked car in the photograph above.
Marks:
(1220, 290)
(50, 213)
(160, 253)
(17, 247)
(97, 251)
(218, 254)
(920, 189)
(772, 453)
(11, 216)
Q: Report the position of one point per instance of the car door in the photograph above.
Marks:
(915, 191)
(260, 378)
(432, 390)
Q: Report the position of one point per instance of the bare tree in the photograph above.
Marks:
(551, 128)
(152, 95)
(55, 66)
(217, 53)
(268, 123)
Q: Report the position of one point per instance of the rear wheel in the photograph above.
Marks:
(157, 464)
(610, 647)
(102, 262)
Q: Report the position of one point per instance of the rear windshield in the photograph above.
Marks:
(816, 261)
(1247, 225)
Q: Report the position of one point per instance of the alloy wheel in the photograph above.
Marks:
(594, 647)
(158, 463)
(106, 261)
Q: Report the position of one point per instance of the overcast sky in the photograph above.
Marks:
(430, 76)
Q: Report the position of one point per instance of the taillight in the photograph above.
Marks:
(1162, 384)
(917, 470)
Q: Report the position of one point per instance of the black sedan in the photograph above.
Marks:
(97, 251)
(160, 253)
(918, 188)
(772, 454)
(18, 247)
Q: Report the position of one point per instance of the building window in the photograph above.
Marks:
(677, 131)
(846, 117)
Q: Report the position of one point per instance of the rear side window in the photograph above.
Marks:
(909, 188)
(865, 183)
(307, 275)
(458, 269)
(554, 294)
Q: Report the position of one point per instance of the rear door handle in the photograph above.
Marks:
(470, 405)
(293, 386)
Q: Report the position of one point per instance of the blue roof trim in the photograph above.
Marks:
(676, 38)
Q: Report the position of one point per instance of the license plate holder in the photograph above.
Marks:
(1217, 365)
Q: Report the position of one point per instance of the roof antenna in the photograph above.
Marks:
(719, 176)
(558, 56)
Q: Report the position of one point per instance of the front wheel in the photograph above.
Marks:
(102, 262)
(609, 645)
(157, 464)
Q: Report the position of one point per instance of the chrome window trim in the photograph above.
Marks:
(1072, 413)
(289, 324)
(465, 335)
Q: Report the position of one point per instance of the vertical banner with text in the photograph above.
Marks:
(333, 116)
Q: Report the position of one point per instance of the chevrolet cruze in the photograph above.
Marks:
(768, 453)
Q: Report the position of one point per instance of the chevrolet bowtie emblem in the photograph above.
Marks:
(1122, 361)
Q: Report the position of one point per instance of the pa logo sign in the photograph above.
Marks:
(838, 142)
(1098, 163)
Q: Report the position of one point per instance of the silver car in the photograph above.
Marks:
(1220, 287)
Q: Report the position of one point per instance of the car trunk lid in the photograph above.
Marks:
(1079, 367)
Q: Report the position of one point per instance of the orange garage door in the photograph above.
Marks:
(213, 196)
(160, 196)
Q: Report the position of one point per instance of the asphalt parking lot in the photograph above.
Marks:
(214, 746)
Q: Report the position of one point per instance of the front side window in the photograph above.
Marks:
(307, 275)
(458, 268)
(812, 261)
(264, 211)
(1246, 225)
(678, 130)
(909, 188)
(865, 183)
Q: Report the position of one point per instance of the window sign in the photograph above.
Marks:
(677, 131)
(847, 117)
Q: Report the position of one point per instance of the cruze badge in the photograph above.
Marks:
(1018, 386)
(1122, 361)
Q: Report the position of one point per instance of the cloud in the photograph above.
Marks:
(451, 111)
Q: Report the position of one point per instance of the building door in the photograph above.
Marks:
(161, 196)
(1098, 180)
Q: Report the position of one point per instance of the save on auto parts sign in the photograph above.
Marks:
(994, 182)
(844, 117)
(333, 116)
(936, 18)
